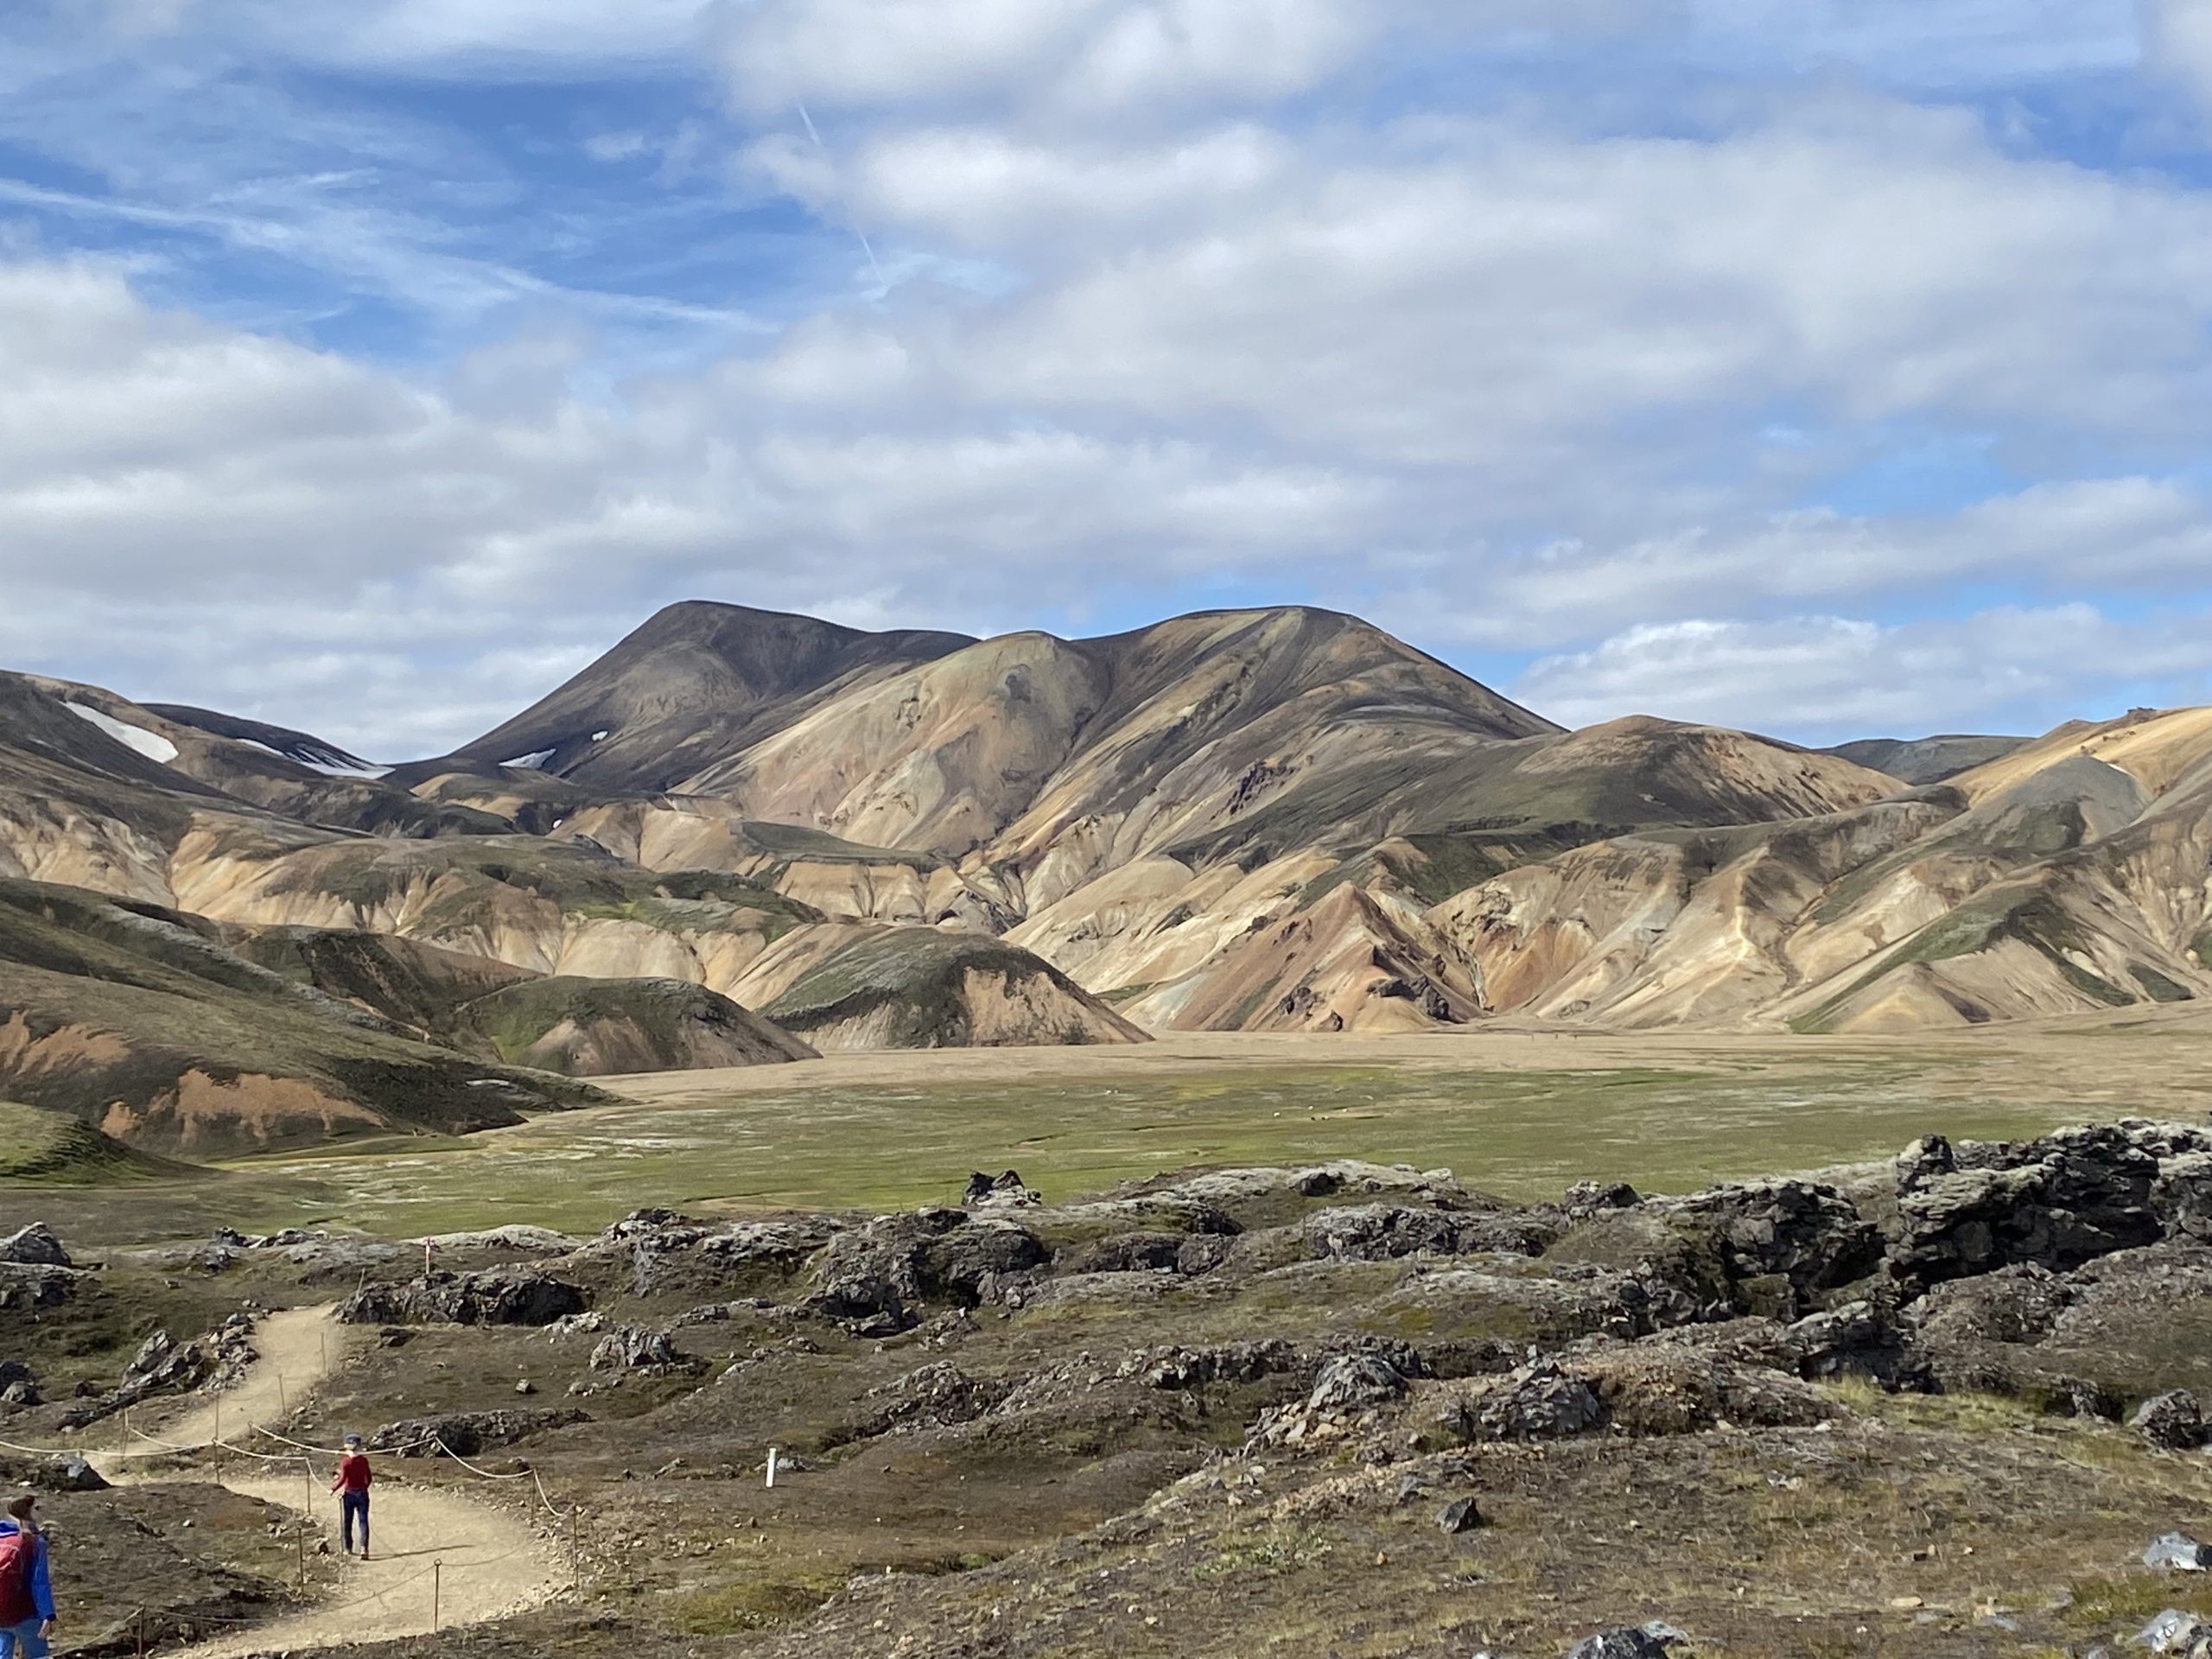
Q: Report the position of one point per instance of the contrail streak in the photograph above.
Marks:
(867, 247)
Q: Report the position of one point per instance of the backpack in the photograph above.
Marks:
(17, 1552)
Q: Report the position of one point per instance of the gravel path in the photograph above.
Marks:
(438, 1553)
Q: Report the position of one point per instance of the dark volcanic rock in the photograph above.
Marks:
(44, 1474)
(959, 1265)
(1382, 1232)
(2182, 1196)
(1629, 1641)
(1782, 1242)
(2057, 1203)
(1355, 1382)
(633, 1348)
(18, 1387)
(885, 1271)
(2177, 1552)
(467, 1433)
(34, 1246)
(1861, 1338)
(1229, 1362)
(1006, 1189)
(1461, 1514)
(162, 1366)
(495, 1296)
(30, 1287)
(2174, 1421)
(1587, 1198)
(1540, 1402)
(1128, 1253)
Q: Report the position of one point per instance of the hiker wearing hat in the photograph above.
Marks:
(26, 1595)
(351, 1485)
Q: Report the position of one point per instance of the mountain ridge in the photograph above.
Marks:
(1275, 819)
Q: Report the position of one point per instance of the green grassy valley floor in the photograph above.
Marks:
(1523, 1114)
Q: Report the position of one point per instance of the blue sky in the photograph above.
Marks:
(1826, 367)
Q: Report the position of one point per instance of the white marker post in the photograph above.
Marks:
(771, 1468)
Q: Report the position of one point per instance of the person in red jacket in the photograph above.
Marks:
(26, 1592)
(351, 1485)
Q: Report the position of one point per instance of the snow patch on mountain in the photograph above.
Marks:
(152, 744)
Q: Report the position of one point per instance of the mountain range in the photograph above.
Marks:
(742, 836)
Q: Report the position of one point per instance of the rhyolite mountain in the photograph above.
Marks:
(1272, 819)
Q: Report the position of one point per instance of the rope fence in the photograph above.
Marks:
(147, 1623)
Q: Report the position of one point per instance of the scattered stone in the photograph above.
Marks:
(525, 1387)
(2174, 1421)
(1355, 1382)
(30, 1288)
(73, 1475)
(1006, 1189)
(1587, 1198)
(632, 1348)
(1649, 1641)
(2177, 1632)
(1540, 1402)
(1460, 1515)
(18, 1388)
(34, 1246)
(2177, 1551)
(1229, 1362)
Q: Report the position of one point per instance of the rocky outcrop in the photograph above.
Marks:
(633, 1348)
(495, 1296)
(2056, 1202)
(30, 1288)
(18, 1387)
(1782, 1243)
(162, 1366)
(467, 1433)
(1386, 1232)
(2173, 1421)
(34, 1246)
(880, 1276)
(1008, 1189)
(1346, 1397)
(1539, 1402)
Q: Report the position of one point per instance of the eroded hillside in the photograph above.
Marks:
(1257, 820)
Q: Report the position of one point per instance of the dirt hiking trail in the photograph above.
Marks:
(478, 1561)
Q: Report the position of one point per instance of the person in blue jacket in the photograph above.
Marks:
(26, 1591)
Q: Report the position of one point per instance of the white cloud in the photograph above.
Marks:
(1834, 677)
(2126, 532)
(2180, 35)
(1460, 308)
(983, 189)
(169, 484)
(608, 37)
(1960, 42)
(1534, 311)
(1072, 55)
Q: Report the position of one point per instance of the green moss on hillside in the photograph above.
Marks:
(45, 1148)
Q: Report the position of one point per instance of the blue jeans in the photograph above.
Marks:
(352, 1507)
(22, 1641)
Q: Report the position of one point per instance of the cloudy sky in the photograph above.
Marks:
(1822, 366)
